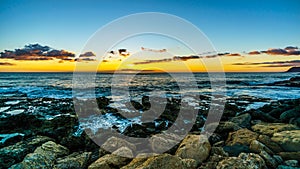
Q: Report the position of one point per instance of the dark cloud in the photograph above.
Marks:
(233, 54)
(185, 58)
(87, 54)
(154, 61)
(36, 52)
(6, 64)
(254, 52)
(290, 50)
(271, 64)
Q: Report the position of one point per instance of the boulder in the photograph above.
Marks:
(167, 161)
(161, 143)
(266, 140)
(271, 128)
(242, 136)
(242, 120)
(44, 156)
(15, 153)
(243, 161)
(290, 155)
(270, 161)
(114, 143)
(118, 159)
(74, 161)
(236, 149)
(195, 147)
(287, 115)
(288, 140)
(257, 147)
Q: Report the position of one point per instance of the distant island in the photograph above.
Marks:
(294, 69)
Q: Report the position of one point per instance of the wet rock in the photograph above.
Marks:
(114, 143)
(118, 159)
(286, 167)
(242, 120)
(44, 156)
(266, 140)
(290, 155)
(217, 154)
(236, 149)
(222, 128)
(74, 161)
(243, 161)
(15, 153)
(260, 115)
(242, 136)
(138, 160)
(195, 147)
(271, 128)
(292, 163)
(257, 147)
(9, 139)
(287, 115)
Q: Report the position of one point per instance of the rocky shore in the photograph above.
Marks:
(45, 133)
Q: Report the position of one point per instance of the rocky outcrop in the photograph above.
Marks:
(288, 140)
(271, 128)
(243, 161)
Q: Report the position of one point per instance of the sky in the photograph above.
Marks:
(232, 26)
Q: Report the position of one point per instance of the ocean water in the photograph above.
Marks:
(59, 85)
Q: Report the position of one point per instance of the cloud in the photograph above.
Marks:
(255, 52)
(36, 52)
(87, 54)
(271, 64)
(233, 54)
(6, 64)
(290, 50)
(153, 50)
(154, 61)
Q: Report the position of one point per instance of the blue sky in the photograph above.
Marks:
(233, 26)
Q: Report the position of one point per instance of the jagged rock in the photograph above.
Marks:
(196, 147)
(118, 159)
(15, 153)
(242, 120)
(74, 161)
(271, 128)
(288, 140)
(44, 156)
(242, 136)
(257, 147)
(243, 161)
(266, 140)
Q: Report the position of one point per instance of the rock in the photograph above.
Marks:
(286, 167)
(9, 139)
(243, 161)
(271, 128)
(242, 120)
(292, 163)
(44, 156)
(74, 161)
(242, 136)
(139, 160)
(115, 160)
(114, 143)
(217, 154)
(15, 153)
(161, 143)
(167, 161)
(270, 161)
(266, 140)
(290, 155)
(257, 147)
(196, 147)
(236, 149)
(260, 115)
(288, 140)
(222, 128)
(287, 115)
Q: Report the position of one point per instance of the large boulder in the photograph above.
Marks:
(242, 120)
(195, 147)
(266, 140)
(44, 156)
(288, 140)
(243, 161)
(287, 115)
(15, 153)
(271, 128)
